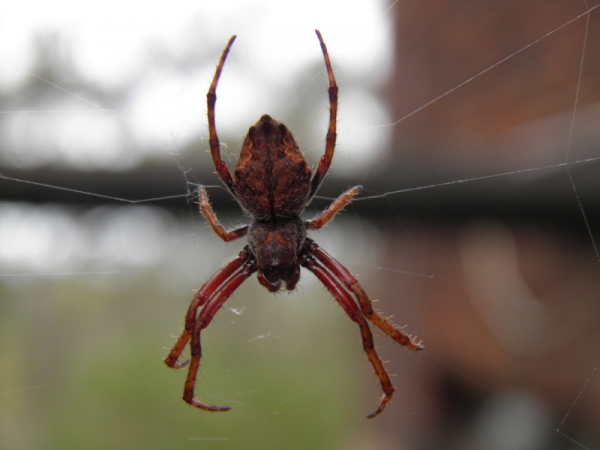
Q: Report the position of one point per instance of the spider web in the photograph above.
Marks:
(108, 254)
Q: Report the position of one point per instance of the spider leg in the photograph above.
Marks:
(351, 308)
(209, 213)
(204, 318)
(206, 292)
(211, 99)
(325, 160)
(337, 205)
(352, 284)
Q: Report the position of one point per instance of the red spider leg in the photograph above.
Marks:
(209, 213)
(325, 160)
(337, 205)
(351, 308)
(352, 285)
(208, 290)
(204, 318)
(211, 99)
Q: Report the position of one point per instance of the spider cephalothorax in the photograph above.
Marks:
(273, 182)
(276, 245)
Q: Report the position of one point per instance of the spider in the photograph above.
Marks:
(274, 183)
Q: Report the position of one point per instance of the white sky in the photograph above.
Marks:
(170, 49)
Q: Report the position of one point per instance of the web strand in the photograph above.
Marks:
(573, 407)
(483, 177)
(92, 194)
(493, 66)
(579, 203)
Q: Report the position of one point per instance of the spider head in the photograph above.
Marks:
(275, 245)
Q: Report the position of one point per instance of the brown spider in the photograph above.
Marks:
(273, 183)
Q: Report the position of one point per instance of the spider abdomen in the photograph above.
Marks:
(272, 177)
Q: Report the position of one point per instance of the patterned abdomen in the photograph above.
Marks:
(272, 178)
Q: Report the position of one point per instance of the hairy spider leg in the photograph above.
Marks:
(206, 292)
(329, 213)
(209, 213)
(204, 318)
(351, 308)
(325, 160)
(352, 284)
(215, 146)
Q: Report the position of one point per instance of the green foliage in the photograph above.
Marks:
(86, 368)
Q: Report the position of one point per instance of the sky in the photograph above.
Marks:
(162, 58)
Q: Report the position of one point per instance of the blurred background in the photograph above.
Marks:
(473, 127)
